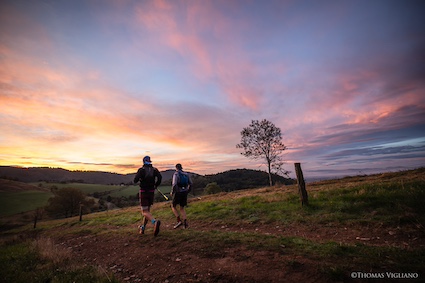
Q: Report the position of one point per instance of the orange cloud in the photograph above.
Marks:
(92, 125)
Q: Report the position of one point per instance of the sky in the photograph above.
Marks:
(98, 84)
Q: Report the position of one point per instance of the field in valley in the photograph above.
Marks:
(35, 195)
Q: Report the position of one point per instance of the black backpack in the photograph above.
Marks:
(149, 173)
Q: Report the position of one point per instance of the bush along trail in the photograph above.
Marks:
(355, 229)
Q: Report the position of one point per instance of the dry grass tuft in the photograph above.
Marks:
(51, 252)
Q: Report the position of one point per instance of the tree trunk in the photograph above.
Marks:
(270, 174)
(301, 184)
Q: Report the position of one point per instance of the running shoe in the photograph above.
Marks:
(156, 227)
(141, 229)
(178, 225)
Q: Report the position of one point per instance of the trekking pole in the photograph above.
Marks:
(166, 198)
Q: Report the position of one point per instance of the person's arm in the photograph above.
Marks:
(173, 183)
(190, 183)
(137, 177)
(158, 178)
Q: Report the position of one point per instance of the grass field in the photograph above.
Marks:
(85, 188)
(17, 202)
(116, 190)
(134, 190)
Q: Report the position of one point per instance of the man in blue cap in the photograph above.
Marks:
(150, 178)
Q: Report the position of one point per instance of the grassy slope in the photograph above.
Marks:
(14, 186)
(391, 200)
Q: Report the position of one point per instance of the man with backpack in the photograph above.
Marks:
(181, 186)
(150, 178)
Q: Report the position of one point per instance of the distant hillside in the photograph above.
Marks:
(37, 174)
(167, 175)
(239, 179)
(230, 180)
(58, 175)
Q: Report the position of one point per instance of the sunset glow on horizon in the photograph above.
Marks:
(96, 85)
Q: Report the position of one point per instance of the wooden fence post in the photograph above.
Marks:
(301, 184)
(38, 213)
(81, 212)
(35, 219)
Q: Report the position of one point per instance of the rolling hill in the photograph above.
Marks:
(15, 186)
(37, 174)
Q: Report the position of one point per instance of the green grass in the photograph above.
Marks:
(85, 188)
(116, 190)
(41, 261)
(17, 202)
(134, 190)
(115, 218)
(95, 223)
(390, 204)
(125, 191)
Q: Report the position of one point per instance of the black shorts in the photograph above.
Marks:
(146, 198)
(180, 199)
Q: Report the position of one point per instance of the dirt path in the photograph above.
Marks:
(379, 236)
(144, 258)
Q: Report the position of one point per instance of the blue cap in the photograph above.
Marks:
(147, 160)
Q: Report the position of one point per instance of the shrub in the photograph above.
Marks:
(212, 188)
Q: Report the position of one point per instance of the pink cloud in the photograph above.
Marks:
(244, 96)
(22, 38)
(155, 17)
(209, 56)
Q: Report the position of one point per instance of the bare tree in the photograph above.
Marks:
(65, 202)
(262, 139)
